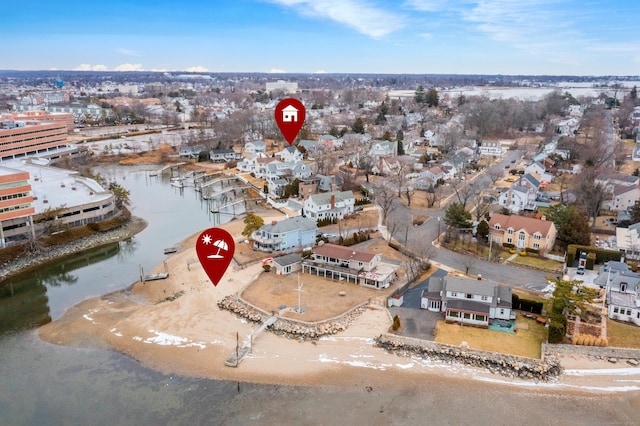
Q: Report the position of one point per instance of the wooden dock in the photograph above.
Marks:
(241, 351)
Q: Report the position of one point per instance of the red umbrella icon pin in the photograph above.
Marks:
(215, 248)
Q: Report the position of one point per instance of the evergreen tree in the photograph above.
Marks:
(572, 226)
(482, 231)
(400, 147)
(432, 98)
(420, 96)
(457, 217)
(252, 222)
(358, 126)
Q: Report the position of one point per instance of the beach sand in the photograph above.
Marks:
(175, 326)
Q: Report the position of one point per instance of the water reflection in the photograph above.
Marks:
(23, 299)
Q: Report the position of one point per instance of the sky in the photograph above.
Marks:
(511, 37)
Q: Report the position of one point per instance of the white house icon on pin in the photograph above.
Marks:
(289, 114)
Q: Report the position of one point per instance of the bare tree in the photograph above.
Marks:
(590, 194)
(384, 198)
(462, 191)
(433, 194)
(479, 200)
(494, 175)
(467, 263)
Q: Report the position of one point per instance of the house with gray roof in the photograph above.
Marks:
(292, 233)
(287, 264)
(329, 205)
(623, 296)
(467, 301)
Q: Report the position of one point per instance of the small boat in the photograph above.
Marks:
(170, 250)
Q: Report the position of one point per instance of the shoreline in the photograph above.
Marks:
(175, 326)
(21, 266)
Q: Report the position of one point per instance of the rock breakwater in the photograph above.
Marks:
(502, 364)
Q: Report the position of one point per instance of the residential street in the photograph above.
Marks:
(428, 231)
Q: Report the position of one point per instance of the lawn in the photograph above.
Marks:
(538, 262)
(623, 335)
(526, 342)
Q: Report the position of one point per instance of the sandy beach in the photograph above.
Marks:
(175, 326)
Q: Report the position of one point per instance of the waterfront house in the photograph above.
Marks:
(295, 232)
(467, 301)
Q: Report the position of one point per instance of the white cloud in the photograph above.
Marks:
(197, 69)
(536, 25)
(277, 71)
(426, 36)
(320, 72)
(129, 67)
(360, 15)
(89, 67)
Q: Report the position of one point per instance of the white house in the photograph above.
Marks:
(255, 147)
(289, 154)
(623, 296)
(491, 148)
(516, 199)
(383, 148)
(474, 302)
(624, 197)
(329, 205)
(535, 167)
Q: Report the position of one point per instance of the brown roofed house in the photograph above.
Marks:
(523, 232)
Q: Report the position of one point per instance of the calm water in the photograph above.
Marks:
(44, 384)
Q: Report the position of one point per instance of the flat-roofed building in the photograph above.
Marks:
(15, 201)
(77, 200)
(29, 136)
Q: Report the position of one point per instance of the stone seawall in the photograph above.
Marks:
(505, 365)
(594, 352)
(26, 263)
(288, 327)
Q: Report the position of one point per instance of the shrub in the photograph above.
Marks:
(532, 250)
(602, 255)
(266, 268)
(526, 304)
(396, 323)
(556, 332)
(523, 253)
(508, 245)
(591, 260)
(93, 226)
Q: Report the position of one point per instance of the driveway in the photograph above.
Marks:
(416, 322)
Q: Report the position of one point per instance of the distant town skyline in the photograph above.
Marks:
(533, 37)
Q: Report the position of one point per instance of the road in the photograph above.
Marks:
(428, 231)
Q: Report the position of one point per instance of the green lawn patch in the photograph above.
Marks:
(623, 335)
(526, 342)
(537, 262)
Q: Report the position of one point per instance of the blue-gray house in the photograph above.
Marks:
(293, 233)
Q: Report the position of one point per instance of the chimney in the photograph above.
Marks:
(543, 217)
(333, 201)
(273, 222)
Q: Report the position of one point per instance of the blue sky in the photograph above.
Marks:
(575, 37)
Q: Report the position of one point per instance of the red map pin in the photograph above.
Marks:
(290, 115)
(215, 248)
